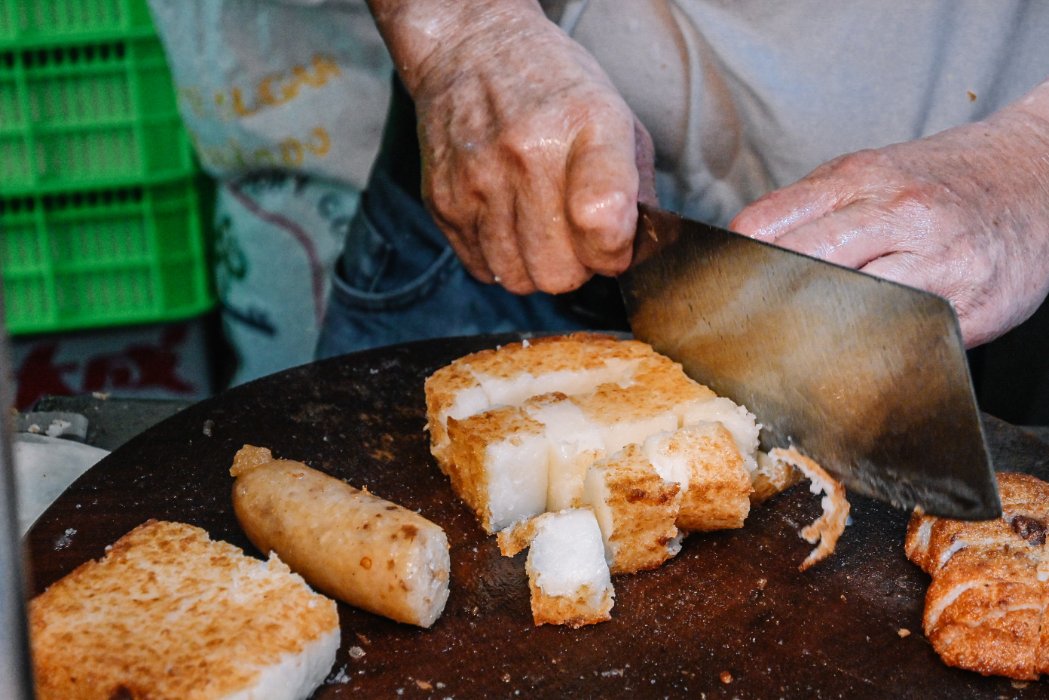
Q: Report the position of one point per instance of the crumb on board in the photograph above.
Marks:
(903, 632)
(725, 677)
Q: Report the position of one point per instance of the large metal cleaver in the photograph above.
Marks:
(866, 376)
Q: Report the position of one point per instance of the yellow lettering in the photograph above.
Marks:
(238, 104)
(265, 91)
(290, 90)
(291, 153)
(279, 88)
(322, 142)
(324, 69)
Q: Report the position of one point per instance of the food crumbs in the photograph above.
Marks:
(971, 94)
(762, 582)
(725, 677)
(209, 427)
(340, 677)
(424, 685)
(1020, 685)
(355, 652)
(66, 539)
(363, 640)
(506, 678)
(903, 632)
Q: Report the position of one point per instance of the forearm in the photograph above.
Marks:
(423, 34)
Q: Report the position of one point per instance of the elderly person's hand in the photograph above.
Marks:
(963, 213)
(532, 163)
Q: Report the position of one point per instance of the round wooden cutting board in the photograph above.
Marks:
(730, 616)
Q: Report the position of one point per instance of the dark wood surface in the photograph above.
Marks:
(731, 616)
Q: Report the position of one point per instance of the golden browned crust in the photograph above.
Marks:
(470, 438)
(985, 606)
(348, 543)
(574, 352)
(826, 529)
(771, 477)
(931, 541)
(643, 508)
(718, 494)
(166, 597)
(660, 387)
(641, 392)
(574, 611)
(517, 537)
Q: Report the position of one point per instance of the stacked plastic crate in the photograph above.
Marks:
(99, 205)
(100, 217)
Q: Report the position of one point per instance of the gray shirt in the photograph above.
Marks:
(743, 96)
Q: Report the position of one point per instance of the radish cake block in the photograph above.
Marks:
(636, 510)
(704, 460)
(499, 465)
(568, 577)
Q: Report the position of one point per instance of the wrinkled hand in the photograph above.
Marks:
(532, 162)
(963, 213)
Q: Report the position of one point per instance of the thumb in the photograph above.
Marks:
(601, 193)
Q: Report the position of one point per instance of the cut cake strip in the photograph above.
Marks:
(610, 393)
(568, 577)
(636, 510)
(705, 461)
(170, 613)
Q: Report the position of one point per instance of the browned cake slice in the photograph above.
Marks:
(499, 465)
(705, 461)
(983, 612)
(513, 373)
(931, 541)
(567, 574)
(636, 510)
(170, 613)
(507, 423)
(985, 609)
(916, 542)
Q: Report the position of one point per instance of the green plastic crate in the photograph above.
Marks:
(47, 20)
(103, 257)
(88, 115)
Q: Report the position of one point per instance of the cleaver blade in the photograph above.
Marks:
(866, 376)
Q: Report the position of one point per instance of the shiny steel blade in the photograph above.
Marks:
(866, 376)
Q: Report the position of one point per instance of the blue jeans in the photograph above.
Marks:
(399, 280)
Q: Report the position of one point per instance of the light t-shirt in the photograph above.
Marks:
(743, 96)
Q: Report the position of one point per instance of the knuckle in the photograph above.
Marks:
(602, 217)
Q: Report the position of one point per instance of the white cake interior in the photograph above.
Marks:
(567, 554)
